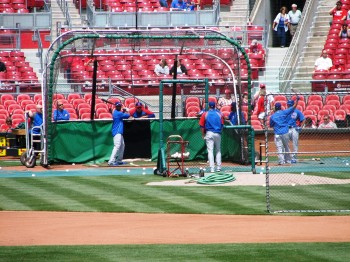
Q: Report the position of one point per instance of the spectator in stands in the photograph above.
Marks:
(294, 128)
(308, 123)
(279, 123)
(323, 62)
(280, 25)
(163, 3)
(2, 67)
(187, 5)
(344, 32)
(141, 112)
(117, 154)
(338, 12)
(233, 116)
(162, 68)
(226, 100)
(60, 113)
(181, 69)
(294, 16)
(256, 48)
(245, 99)
(259, 101)
(8, 126)
(211, 125)
(327, 123)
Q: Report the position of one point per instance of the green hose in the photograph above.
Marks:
(218, 178)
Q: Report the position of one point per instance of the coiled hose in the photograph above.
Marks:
(217, 178)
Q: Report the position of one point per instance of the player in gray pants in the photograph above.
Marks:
(294, 129)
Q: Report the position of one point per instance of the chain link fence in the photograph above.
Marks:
(307, 168)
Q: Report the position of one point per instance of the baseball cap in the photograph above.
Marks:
(294, 5)
(227, 91)
(212, 104)
(278, 106)
(118, 104)
(290, 103)
(39, 106)
(254, 42)
(138, 104)
(262, 86)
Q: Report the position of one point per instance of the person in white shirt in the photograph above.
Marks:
(323, 62)
(327, 123)
(227, 100)
(294, 16)
(162, 68)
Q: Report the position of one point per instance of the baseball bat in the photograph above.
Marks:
(108, 102)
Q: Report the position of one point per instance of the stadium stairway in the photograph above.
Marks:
(58, 16)
(271, 73)
(315, 42)
(237, 14)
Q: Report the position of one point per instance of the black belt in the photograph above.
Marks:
(294, 24)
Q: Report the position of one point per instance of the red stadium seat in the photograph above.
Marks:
(316, 102)
(6, 97)
(73, 96)
(9, 102)
(332, 97)
(322, 113)
(335, 103)
(4, 112)
(83, 105)
(101, 110)
(130, 100)
(314, 108)
(26, 102)
(78, 101)
(85, 116)
(346, 108)
(105, 116)
(309, 112)
(84, 111)
(13, 107)
(330, 108)
(340, 115)
(194, 109)
(346, 98)
(194, 99)
(314, 97)
(188, 104)
(21, 97)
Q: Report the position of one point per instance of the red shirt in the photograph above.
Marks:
(339, 14)
(256, 48)
(261, 107)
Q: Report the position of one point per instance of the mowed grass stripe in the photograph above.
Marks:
(50, 192)
(142, 193)
(321, 198)
(219, 200)
(93, 200)
(7, 203)
(28, 196)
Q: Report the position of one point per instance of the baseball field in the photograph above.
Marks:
(90, 213)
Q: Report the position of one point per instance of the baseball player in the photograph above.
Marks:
(211, 124)
(117, 133)
(141, 112)
(279, 123)
(233, 116)
(294, 129)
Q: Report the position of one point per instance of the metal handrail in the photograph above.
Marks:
(294, 51)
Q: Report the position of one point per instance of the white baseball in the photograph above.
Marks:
(302, 173)
(293, 184)
(144, 168)
(73, 164)
(128, 170)
(67, 170)
(33, 174)
(143, 173)
(347, 164)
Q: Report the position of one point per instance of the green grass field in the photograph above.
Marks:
(128, 193)
(216, 252)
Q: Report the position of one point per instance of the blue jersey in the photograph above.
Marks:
(178, 4)
(118, 125)
(279, 121)
(294, 117)
(212, 121)
(234, 119)
(59, 115)
(37, 121)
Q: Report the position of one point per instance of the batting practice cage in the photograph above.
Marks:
(88, 71)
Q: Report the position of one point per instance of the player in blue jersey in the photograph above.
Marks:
(211, 124)
(117, 133)
(295, 122)
(279, 123)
